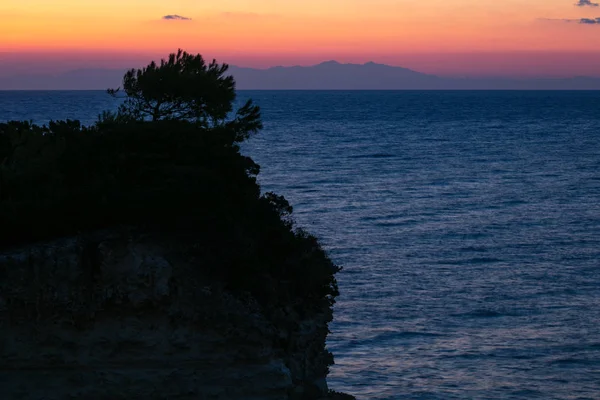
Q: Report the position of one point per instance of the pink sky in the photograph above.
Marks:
(443, 37)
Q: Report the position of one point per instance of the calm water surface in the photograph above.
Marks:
(468, 225)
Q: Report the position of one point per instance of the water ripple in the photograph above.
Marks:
(468, 225)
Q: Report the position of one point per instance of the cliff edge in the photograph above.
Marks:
(123, 315)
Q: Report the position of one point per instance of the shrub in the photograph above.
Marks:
(171, 175)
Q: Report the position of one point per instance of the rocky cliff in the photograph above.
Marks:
(123, 315)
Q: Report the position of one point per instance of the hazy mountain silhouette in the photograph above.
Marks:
(329, 75)
(332, 75)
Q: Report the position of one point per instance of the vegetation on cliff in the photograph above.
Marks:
(168, 161)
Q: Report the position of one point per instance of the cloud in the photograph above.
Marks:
(586, 3)
(176, 17)
(583, 21)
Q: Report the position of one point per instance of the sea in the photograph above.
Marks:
(467, 224)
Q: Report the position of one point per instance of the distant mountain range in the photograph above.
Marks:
(329, 75)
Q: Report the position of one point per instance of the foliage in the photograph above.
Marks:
(185, 88)
(174, 176)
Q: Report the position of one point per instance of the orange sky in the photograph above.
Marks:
(456, 33)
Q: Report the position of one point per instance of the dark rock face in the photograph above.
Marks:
(127, 316)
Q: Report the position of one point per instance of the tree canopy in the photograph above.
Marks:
(185, 88)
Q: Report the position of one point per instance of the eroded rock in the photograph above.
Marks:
(123, 316)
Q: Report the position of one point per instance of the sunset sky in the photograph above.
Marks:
(445, 37)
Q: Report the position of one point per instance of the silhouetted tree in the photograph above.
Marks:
(166, 163)
(185, 88)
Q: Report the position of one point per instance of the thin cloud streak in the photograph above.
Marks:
(586, 3)
(582, 21)
(175, 17)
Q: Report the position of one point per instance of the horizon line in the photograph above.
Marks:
(335, 90)
(334, 62)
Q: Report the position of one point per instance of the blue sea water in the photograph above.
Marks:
(468, 225)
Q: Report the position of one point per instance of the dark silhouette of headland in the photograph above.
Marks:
(140, 259)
